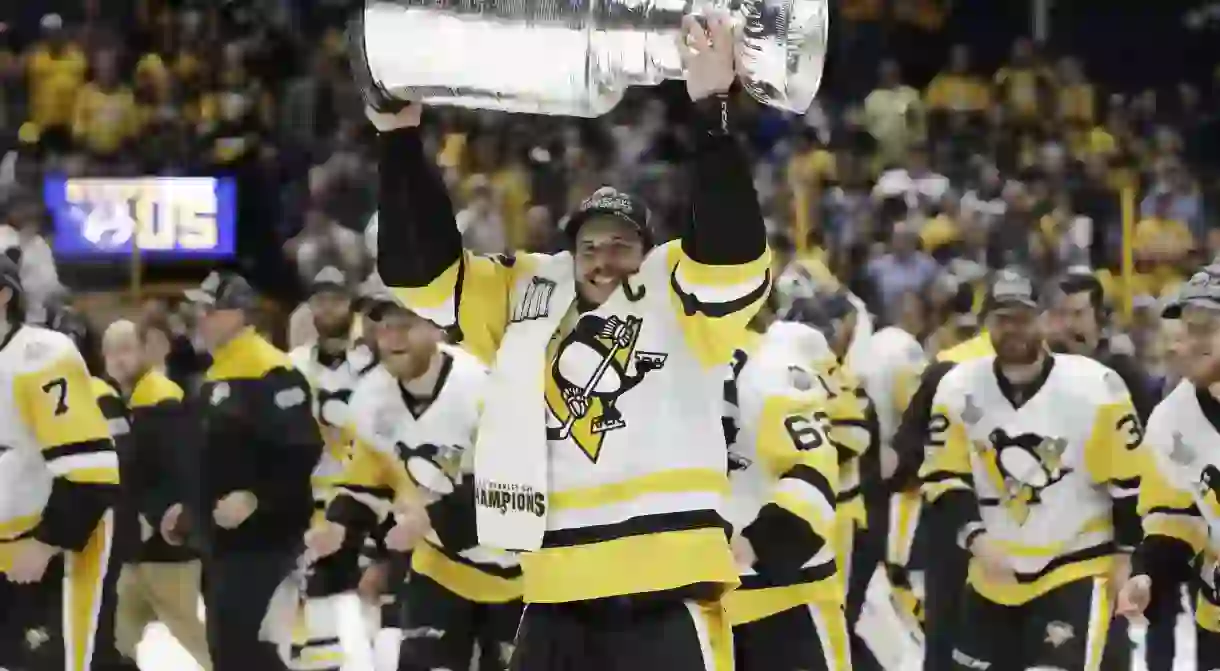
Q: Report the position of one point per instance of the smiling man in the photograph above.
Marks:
(600, 452)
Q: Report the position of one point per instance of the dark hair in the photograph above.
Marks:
(1076, 283)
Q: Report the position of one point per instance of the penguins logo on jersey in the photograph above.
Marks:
(332, 405)
(594, 366)
(1028, 464)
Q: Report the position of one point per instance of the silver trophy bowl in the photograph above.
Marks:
(571, 57)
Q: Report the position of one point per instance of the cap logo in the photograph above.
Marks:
(1012, 286)
(617, 202)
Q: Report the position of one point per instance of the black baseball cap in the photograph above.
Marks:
(820, 311)
(1011, 287)
(610, 202)
(1201, 290)
(329, 279)
(223, 291)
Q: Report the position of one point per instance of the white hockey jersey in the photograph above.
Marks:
(50, 428)
(783, 473)
(889, 368)
(383, 425)
(1046, 475)
(332, 382)
(1180, 489)
(603, 425)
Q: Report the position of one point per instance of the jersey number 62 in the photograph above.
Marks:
(805, 432)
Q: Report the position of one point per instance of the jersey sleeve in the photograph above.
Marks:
(799, 519)
(1114, 459)
(719, 273)
(59, 408)
(365, 491)
(1174, 528)
(846, 412)
(911, 439)
(947, 476)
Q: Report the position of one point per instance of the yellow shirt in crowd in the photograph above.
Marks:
(953, 92)
(105, 120)
(55, 81)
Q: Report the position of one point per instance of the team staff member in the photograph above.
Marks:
(1078, 313)
(59, 483)
(160, 581)
(1033, 456)
(261, 444)
(610, 477)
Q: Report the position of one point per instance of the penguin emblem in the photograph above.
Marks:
(1028, 464)
(593, 367)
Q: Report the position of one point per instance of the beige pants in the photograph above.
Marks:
(169, 593)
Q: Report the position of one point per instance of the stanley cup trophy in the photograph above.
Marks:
(571, 57)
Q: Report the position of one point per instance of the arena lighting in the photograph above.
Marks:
(165, 218)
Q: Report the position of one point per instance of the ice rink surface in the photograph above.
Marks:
(159, 651)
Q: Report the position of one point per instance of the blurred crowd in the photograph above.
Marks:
(907, 191)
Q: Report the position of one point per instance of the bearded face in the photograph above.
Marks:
(332, 315)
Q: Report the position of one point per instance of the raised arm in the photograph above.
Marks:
(419, 247)
(417, 235)
(719, 272)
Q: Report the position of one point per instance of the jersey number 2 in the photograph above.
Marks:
(58, 388)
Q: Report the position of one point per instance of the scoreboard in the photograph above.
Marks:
(165, 218)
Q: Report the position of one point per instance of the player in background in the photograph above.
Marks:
(414, 419)
(1179, 489)
(1037, 462)
(329, 635)
(59, 483)
(788, 613)
(890, 370)
(852, 428)
(1078, 319)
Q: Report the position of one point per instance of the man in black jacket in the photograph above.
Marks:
(160, 579)
(260, 446)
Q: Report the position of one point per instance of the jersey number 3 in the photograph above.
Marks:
(804, 432)
(58, 390)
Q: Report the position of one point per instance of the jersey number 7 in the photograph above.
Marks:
(58, 388)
